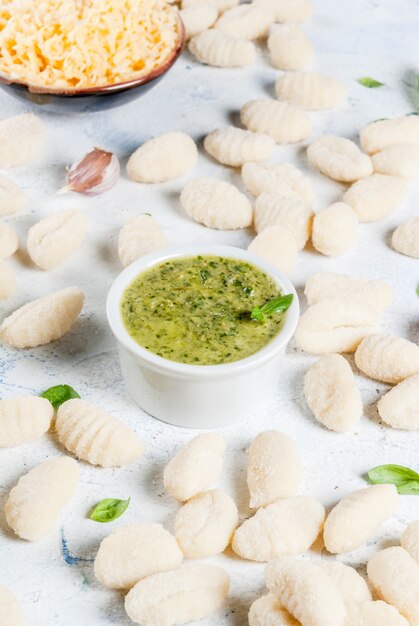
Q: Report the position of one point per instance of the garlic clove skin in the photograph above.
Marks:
(97, 172)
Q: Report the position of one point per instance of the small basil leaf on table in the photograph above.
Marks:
(369, 82)
(59, 394)
(108, 510)
(405, 479)
(277, 305)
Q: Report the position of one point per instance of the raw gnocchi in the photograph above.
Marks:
(21, 139)
(335, 229)
(234, 146)
(288, 211)
(163, 158)
(7, 281)
(405, 238)
(10, 612)
(220, 5)
(375, 197)
(133, 552)
(138, 237)
(399, 407)
(284, 528)
(43, 320)
(54, 239)
(307, 592)
(198, 18)
(246, 21)
(96, 436)
(195, 467)
(205, 524)
(289, 10)
(410, 540)
(267, 611)
(179, 596)
(339, 158)
(332, 394)
(35, 503)
(216, 204)
(351, 585)
(376, 613)
(278, 246)
(274, 469)
(214, 47)
(290, 48)
(358, 516)
(394, 576)
(9, 241)
(284, 122)
(387, 358)
(335, 325)
(310, 90)
(385, 133)
(281, 178)
(12, 199)
(398, 160)
(23, 419)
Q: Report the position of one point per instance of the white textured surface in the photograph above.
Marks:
(352, 38)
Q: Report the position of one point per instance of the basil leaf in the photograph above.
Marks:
(59, 394)
(405, 479)
(282, 303)
(108, 510)
(257, 315)
(369, 82)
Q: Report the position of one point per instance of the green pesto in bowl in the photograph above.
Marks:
(197, 310)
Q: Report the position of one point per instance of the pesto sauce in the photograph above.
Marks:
(197, 310)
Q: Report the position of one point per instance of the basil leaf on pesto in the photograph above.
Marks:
(108, 510)
(282, 303)
(59, 394)
(369, 82)
(405, 479)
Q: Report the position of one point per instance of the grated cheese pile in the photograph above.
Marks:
(73, 44)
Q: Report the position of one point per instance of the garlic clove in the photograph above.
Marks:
(97, 172)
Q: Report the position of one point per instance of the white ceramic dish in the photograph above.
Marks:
(200, 396)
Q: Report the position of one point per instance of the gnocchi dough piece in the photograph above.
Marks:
(410, 540)
(305, 591)
(335, 325)
(138, 237)
(214, 47)
(289, 10)
(281, 178)
(7, 281)
(234, 146)
(310, 90)
(405, 238)
(332, 394)
(198, 18)
(290, 212)
(43, 320)
(351, 585)
(10, 612)
(274, 469)
(183, 595)
(377, 613)
(290, 48)
(339, 158)
(246, 21)
(195, 467)
(335, 229)
(284, 122)
(216, 204)
(377, 294)
(375, 197)
(12, 199)
(96, 436)
(385, 133)
(21, 139)
(278, 246)
(133, 552)
(23, 419)
(163, 158)
(54, 239)
(387, 358)
(220, 5)
(35, 503)
(9, 241)
(284, 528)
(399, 407)
(394, 576)
(399, 160)
(358, 516)
(267, 611)
(205, 524)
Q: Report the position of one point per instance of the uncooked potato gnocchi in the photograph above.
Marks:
(385, 133)
(351, 585)
(278, 246)
(214, 47)
(138, 237)
(290, 48)
(398, 160)
(182, 595)
(9, 241)
(410, 540)
(23, 419)
(281, 178)
(310, 90)
(339, 158)
(387, 358)
(289, 10)
(133, 552)
(198, 18)
(234, 146)
(284, 122)
(220, 5)
(35, 503)
(405, 238)
(246, 21)
(290, 212)
(7, 281)
(12, 199)
(267, 611)
(216, 204)
(376, 613)
(399, 407)
(43, 320)
(96, 436)
(21, 139)
(163, 158)
(375, 197)
(335, 229)
(10, 612)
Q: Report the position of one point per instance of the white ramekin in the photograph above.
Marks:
(200, 396)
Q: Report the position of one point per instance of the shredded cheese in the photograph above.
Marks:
(76, 44)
